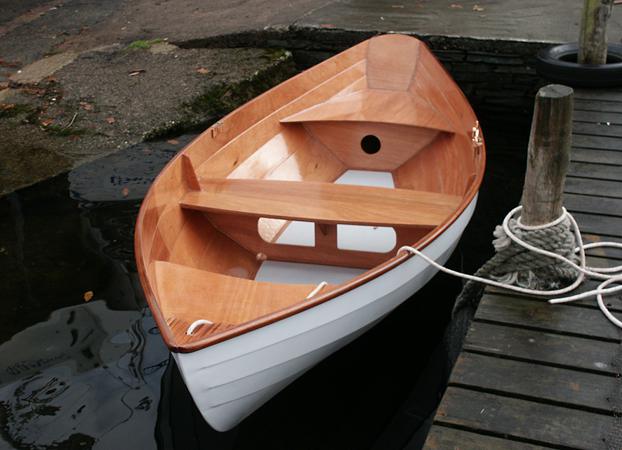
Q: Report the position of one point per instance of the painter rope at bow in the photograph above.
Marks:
(607, 276)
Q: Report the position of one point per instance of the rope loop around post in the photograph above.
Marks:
(500, 270)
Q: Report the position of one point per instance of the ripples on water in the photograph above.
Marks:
(80, 375)
(77, 374)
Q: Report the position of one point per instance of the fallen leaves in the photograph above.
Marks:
(32, 90)
(477, 8)
(47, 122)
(5, 63)
(203, 70)
(86, 106)
(172, 141)
(88, 296)
(133, 73)
(455, 6)
(6, 106)
(110, 120)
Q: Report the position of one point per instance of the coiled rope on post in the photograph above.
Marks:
(512, 266)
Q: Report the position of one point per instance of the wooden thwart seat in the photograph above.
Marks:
(326, 203)
(187, 294)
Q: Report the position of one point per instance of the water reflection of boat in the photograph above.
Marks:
(88, 375)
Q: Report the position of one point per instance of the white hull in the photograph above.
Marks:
(229, 380)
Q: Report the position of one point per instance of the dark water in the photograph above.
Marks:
(78, 374)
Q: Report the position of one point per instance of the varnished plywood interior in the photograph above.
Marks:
(221, 299)
(375, 105)
(398, 143)
(216, 211)
(325, 203)
(391, 62)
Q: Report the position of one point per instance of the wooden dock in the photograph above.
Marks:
(534, 375)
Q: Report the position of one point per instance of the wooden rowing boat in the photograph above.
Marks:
(272, 239)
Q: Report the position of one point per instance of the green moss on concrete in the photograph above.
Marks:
(277, 54)
(8, 111)
(222, 98)
(143, 44)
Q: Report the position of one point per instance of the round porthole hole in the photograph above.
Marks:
(370, 144)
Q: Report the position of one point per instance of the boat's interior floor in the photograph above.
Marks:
(301, 273)
(350, 237)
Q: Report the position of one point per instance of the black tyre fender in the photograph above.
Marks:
(559, 64)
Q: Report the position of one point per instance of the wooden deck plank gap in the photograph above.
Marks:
(503, 436)
(532, 399)
(509, 324)
(476, 351)
(578, 304)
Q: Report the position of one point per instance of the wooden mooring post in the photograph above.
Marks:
(548, 155)
(593, 37)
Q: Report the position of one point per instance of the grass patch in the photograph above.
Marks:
(276, 54)
(143, 44)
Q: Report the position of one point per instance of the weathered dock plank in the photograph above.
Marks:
(523, 420)
(613, 303)
(537, 314)
(536, 382)
(597, 142)
(599, 188)
(534, 374)
(442, 437)
(596, 156)
(601, 225)
(602, 95)
(586, 104)
(542, 347)
(589, 204)
(604, 128)
(614, 118)
(595, 171)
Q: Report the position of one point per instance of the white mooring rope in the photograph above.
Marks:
(317, 289)
(607, 275)
(196, 324)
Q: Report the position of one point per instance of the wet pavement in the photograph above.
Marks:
(551, 21)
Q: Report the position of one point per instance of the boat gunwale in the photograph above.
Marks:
(267, 319)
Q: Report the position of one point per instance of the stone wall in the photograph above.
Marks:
(496, 75)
